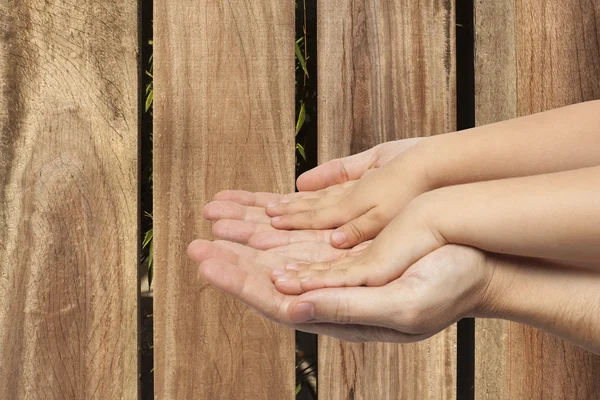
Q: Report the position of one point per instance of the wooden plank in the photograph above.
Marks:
(68, 199)
(386, 71)
(224, 118)
(547, 57)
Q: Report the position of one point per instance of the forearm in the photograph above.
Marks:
(558, 140)
(564, 302)
(553, 216)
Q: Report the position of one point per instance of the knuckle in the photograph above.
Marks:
(343, 172)
(378, 214)
(355, 231)
(340, 314)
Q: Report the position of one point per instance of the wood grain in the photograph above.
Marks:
(386, 71)
(224, 118)
(533, 56)
(68, 199)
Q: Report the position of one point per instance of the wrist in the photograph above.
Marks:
(557, 299)
(433, 170)
(495, 294)
(418, 162)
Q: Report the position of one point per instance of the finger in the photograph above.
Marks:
(246, 287)
(359, 249)
(289, 280)
(337, 190)
(202, 250)
(252, 261)
(309, 252)
(221, 209)
(239, 231)
(363, 228)
(324, 218)
(384, 307)
(269, 239)
(270, 260)
(355, 305)
(350, 274)
(336, 171)
(256, 199)
(302, 205)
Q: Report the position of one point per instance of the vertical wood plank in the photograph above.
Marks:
(386, 71)
(224, 118)
(533, 56)
(68, 199)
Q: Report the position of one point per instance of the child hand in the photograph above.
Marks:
(239, 216)
(353, 167)
(408, 238)
(359, 210)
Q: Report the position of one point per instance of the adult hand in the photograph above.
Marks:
(435, 292)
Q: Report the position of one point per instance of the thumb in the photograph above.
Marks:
(335, 171)
(353, 305)
(363, 228)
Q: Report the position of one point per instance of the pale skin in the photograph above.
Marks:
(557, 140)
(250, 223)
(446, 285)
(552, 216)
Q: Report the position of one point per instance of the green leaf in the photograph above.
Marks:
(149, 100)
(300, 57)
(148, 242)
(298, 388)
(147, 239)
(301, 118)
(150, 264)
(300, 149)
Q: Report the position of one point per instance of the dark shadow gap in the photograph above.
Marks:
(465, 109)
(145, 305)
(306, 158)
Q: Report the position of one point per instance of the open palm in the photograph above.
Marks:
(435, 292)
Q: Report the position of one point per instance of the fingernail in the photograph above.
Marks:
(303, 312)
(284, 201)
(271, 205)
(291, 266)
(278, 272)
(283, 279)
(338, 238)
(275, 219)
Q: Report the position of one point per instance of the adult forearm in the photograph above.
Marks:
(554, 216)
(562, 301)
(552, 141)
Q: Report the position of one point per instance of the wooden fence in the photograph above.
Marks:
(224, 118)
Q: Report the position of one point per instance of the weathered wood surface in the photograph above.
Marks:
(224, 118)
(68, 199)
(533, 56)
(386, 71)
